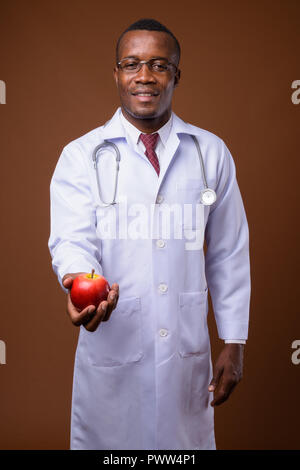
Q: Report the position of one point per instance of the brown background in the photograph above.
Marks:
(239, 59)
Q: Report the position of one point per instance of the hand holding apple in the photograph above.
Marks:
(89, 289)
(90, 317)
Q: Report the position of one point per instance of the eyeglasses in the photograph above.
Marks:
(132, 65)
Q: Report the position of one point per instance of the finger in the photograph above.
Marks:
(72, 311)
(216, 378)
(224, 391)
(93, 324)
(114, 295)
(219, 399)
(115, 287)
(67, 282)
(112, 300)
(106, 307)
(77, 316)
(114, 290)
(69, 278)
(84, 317)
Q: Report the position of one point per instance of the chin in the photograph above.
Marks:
(142, 112)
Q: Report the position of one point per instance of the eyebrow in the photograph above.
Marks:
(135, 57)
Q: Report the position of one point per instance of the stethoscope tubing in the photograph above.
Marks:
(201, 160)
(96, 151)
(208, 196)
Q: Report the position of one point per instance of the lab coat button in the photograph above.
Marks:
(160, 243)
(163, 332)
(159, 199)
(163, 288)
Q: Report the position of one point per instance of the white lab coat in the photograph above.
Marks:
(141, 379)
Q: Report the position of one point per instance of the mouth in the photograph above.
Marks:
(145, 95)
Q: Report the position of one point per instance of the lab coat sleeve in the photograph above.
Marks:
(227, 264)
(73, 242)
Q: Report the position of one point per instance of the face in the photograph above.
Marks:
(145, 45)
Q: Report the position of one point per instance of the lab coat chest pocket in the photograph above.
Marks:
(193, 216)
(189, 189)
(188, 195)
(193, 330)
(117, 341)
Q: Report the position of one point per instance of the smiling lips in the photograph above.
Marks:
(145, 96)
(145, 93)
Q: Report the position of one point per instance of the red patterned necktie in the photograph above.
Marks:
(150, 141)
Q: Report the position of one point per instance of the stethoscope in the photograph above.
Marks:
(207, 196)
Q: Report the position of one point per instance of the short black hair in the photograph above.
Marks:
(149, 24)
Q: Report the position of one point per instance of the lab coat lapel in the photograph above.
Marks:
(113, 128)
(178, 127)
(172, 145)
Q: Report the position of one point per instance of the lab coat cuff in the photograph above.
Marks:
(229, 330)
(237, 341)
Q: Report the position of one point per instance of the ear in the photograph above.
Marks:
(116, 75)
(177, 78)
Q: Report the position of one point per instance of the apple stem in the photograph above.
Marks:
(93, 273)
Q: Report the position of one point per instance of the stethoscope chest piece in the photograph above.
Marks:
(208, 197)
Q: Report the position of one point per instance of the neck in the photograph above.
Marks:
(145, 125)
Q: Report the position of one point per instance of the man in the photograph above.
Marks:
(143, 376)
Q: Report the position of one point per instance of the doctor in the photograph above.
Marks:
(143, 377)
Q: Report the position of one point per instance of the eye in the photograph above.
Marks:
(130, 65)
(159, 66)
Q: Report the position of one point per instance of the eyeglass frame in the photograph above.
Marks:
(142, 62)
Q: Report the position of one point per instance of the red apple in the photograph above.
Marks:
(89, 289)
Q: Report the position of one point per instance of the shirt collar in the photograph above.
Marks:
(113, 129)
(134, 133)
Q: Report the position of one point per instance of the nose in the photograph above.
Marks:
(144, 75)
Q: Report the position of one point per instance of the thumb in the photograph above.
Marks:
(215, 380)
(67, 282)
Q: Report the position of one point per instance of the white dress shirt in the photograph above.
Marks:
(133, 139)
